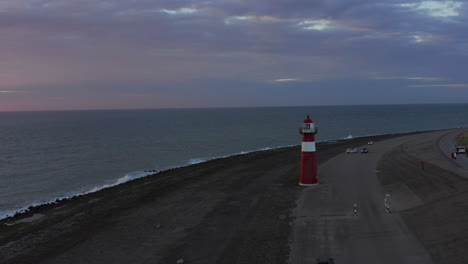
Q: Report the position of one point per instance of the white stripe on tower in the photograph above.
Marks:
(308, 146)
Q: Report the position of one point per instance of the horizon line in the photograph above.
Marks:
(220, 107)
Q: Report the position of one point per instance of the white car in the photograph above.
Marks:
(461, 150)
(352, 150)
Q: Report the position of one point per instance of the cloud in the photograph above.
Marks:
(307, 24)
(90, 44)
(424, 78)
(7, 91)
(180, 11)
(436, 8)
(406, 78)
(236, 19)
(288, 80)
(321, 24)
(10, 5)
(421, 37)
(257, 18)
(441, 85)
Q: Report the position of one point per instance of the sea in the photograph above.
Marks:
(50, 155)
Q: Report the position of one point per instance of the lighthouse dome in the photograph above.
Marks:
(308, 120)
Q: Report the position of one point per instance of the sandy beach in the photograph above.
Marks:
(239, 209)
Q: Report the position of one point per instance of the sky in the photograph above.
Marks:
(131, 54)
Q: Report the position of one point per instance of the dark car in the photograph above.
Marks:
(325, 261)
(364, 150)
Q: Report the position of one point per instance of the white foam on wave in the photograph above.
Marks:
(348, 137)
(205, 159)
(127, 177)
(12, 212)
(124, 179)
(198, 160)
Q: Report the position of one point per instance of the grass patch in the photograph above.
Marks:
(462, 140)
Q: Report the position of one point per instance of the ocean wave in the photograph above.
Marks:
(205, 159)
(128, 177)
(198, 160)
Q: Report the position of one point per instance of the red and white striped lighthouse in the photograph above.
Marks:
(308, 157)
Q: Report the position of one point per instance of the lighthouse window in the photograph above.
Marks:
(307, 126)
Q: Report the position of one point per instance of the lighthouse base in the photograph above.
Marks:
(308, 184)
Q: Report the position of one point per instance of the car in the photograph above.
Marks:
(364, 150)
(352, 150)
(461, 150)
(370, 143)
(325, 261)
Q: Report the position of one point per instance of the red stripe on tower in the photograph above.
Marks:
(308, 158)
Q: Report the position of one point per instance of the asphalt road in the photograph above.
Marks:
(447, 145)
(326, 225)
